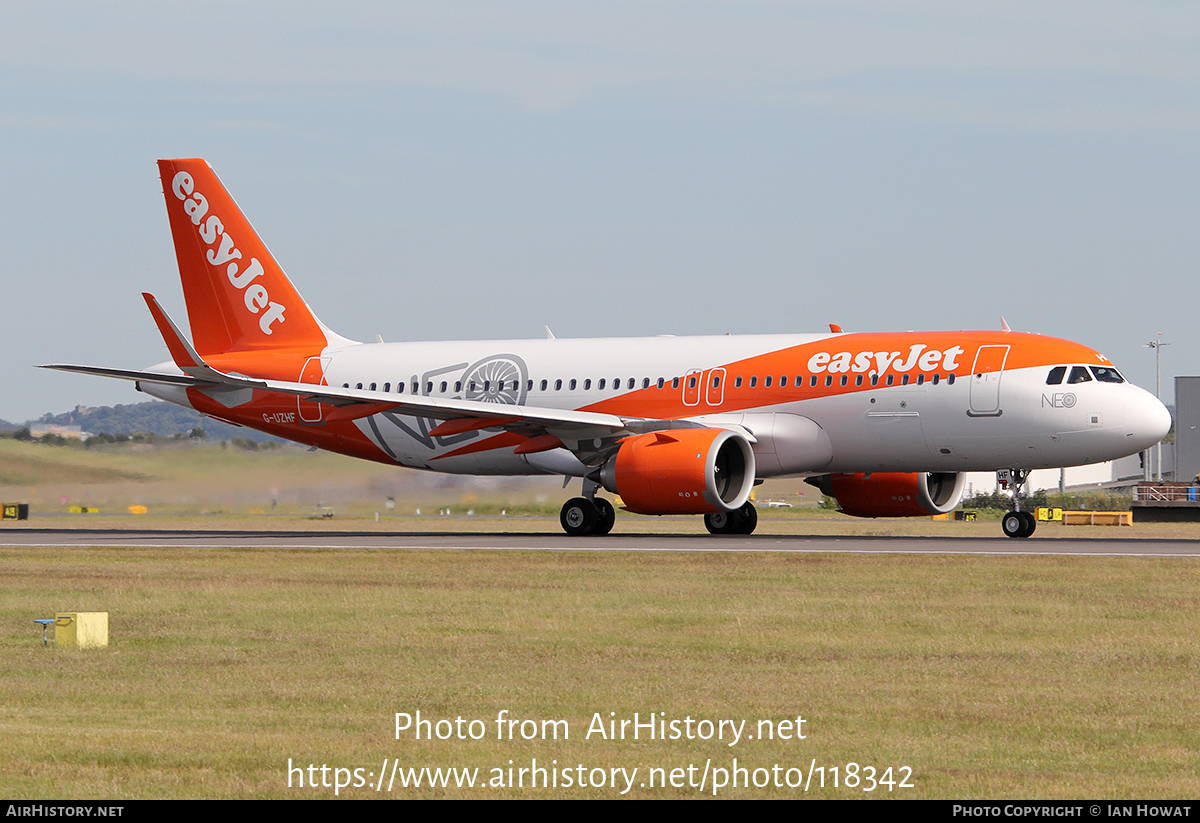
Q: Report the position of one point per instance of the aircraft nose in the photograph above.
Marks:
(1146, 419)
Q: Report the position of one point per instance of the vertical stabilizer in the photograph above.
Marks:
(238, 298)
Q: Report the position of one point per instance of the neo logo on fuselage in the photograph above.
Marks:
(195, 206)
(1059, 400)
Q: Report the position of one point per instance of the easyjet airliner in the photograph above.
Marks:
(885, 423)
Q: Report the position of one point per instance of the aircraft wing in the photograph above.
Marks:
(350, 404)
(591, 436)
(353, 403)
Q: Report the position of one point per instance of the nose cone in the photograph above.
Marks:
(1147, 421)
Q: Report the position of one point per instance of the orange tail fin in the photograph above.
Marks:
(238, 298)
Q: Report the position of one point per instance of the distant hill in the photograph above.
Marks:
(153, 417)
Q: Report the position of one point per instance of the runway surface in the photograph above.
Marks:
(474, 541)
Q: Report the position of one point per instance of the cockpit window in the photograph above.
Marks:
(1056, 375)
(1106, 375)
(1079, 374)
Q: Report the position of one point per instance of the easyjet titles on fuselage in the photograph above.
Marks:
(880, 361)
(195, 205)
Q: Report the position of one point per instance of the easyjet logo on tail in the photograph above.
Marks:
(225, 253)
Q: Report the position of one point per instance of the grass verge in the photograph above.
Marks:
(993, 677)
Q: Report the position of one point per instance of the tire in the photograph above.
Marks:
(749, 519)
(723, 522)
(606, 516)
(578, 516)
(1013, 524)
(1030, 523)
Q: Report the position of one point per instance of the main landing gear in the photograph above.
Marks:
(741, 521)
(1017, 523)
(581, 516)
(591, 515)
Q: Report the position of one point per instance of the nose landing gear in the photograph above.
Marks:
(1017, 523)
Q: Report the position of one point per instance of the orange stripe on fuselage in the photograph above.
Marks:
(1026, 350)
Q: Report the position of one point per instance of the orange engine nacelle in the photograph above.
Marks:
(682, 471)
(893, 494)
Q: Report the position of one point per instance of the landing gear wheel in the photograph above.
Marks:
(579, 516)
(723, 522)
(606, 516)
(749, 518)
(741, 521)
(1018, 524)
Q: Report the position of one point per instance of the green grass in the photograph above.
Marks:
(989, 677)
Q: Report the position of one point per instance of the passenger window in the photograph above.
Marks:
(936, 377)
(558, 385)
(950, 379)
(387, 387)
(544, 384)
(358, 385)
(416, 387)
(753, 382)
(875, 380)
(1107, 375)
(443, 387)
(691, 382)
(845, 379)
(399, 388)
(767, 382)
(920, 379)
(737, 382)
(783, 382)
(829, 380)
(858, 380)
(1056, 375)
(891, 378)
(645, 382)
(661, 382)
(904, 380)
(812, 381)
(631, 382)
(458, 385)
(1079, 374)
(587, 384)
(716, 381)
(600, 385)
(674, 382)
(571, 385)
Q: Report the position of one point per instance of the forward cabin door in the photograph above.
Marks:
(985, 381)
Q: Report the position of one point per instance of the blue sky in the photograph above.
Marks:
(441, 170)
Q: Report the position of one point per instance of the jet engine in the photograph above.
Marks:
(893, 494)
(681, 471)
